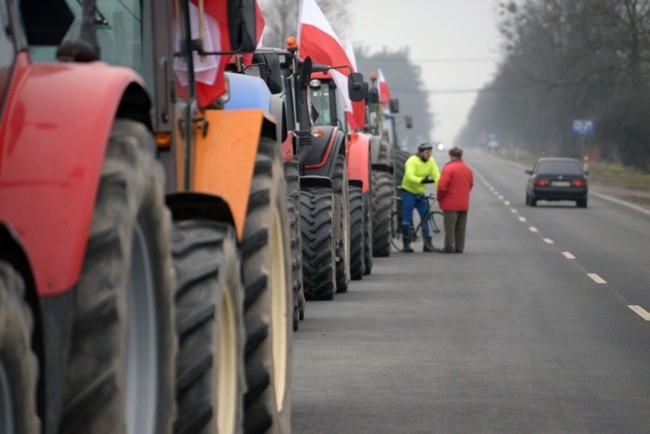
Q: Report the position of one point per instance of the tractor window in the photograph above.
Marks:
(119, 25)
(7, 51)
(320, 100)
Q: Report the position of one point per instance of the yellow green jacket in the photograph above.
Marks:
(415, 170)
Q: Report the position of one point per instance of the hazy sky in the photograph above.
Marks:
(454, 41)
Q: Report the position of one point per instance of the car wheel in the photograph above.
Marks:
(581, 203)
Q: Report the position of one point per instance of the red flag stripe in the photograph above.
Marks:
(322, 48)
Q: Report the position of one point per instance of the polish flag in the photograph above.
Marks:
(317, 39)
(209, 70)
(384, 92)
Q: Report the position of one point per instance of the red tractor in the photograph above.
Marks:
(144, 253)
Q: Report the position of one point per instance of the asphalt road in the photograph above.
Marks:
(538, 327)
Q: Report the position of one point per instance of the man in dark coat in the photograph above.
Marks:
(454, 186)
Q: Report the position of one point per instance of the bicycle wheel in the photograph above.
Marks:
(396, 233)
(436, 225)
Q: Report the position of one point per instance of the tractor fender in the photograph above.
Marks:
(359, 160)
(380, 158)
(321, 154)
(224, 162)
(51, 154)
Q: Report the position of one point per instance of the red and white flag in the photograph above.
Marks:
(209, 70)
(317, 39)
(384, 92)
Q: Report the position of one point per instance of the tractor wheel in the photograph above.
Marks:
(382, 198)
(340, 188)
(367, 233)
(292, 177)
(210, 381)
(120, 373)
(356, 233)
(319, 269)
(268, 305)
(18, 365)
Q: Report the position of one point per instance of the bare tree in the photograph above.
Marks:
(571, 60)
(281, 18)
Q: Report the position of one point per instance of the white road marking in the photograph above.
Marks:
(547, 240)
(500, 197)
(568, 255)
(596, 278)
(640, 311)
(522, 219)
(532, 229)
(513, 210)
(506, 203)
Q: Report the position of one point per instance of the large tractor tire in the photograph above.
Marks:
(382, 198)
(399, 159)
(319, 268)
(356, 233)
(340, 188)
(367, 233)
(292, 177)
(268, 305)
(210, 381)
(120, 375)
(18, 366)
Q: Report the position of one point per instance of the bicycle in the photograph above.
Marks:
(435, 218)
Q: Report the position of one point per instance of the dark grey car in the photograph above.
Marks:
(556, 179)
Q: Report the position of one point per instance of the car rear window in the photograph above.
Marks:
(559, 167)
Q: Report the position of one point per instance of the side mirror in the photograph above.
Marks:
(272, 73)
(366, 91)
(305, 72)
(355, 86)
(393, 105)
(46, 25)
(408, 121)
(373, 96)
(242, 25)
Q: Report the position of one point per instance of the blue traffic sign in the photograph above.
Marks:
(583, 127)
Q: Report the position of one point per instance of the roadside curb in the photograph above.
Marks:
(620, 202)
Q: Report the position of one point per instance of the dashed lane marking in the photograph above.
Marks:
(547, 240)
(513, 210)
(522, 219)
(596, 278)
(506, 203)
(640, 311)
(532, 229)
(569, 255)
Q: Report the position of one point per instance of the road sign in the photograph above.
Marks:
(583, 127)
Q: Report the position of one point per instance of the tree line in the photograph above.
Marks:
(563, 61)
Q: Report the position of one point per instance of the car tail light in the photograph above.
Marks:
(541, 182)
(579, 183)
